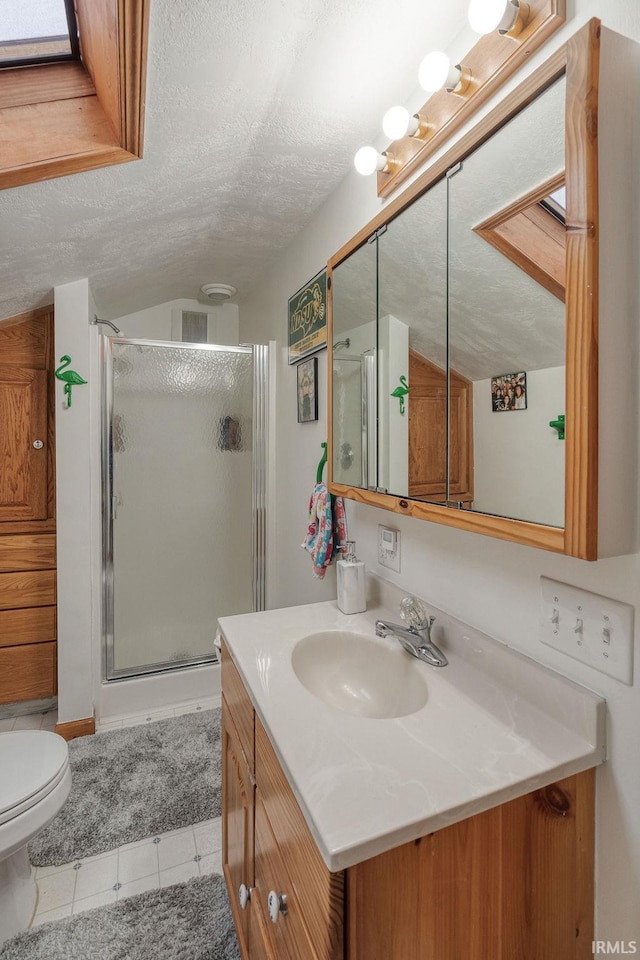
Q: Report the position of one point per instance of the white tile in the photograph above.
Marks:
(191, 707)
(96, 876)
(7, 724)
(58, 914)
(111, 725)
(32, 721)
(135, 843)
(179, 874)
(42, 872)
(211, 864)
(49, 720)
(137, 862)
(152, 882)
(101, 899)
(150, 717)
(175, 848)
(56, 890)
(210, 704)
(208, 836)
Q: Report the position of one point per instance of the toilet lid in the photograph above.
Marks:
(30, 761)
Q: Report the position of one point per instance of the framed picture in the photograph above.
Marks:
(509, 392)
(308, 318)
(307, 379)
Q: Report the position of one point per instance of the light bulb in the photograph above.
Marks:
(437, 72)
(398, 123)
(367, 160)
(485, 16)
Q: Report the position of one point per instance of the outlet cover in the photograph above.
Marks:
(389, 547)
(590, 628)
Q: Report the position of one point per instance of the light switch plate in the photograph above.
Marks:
(389, 547)
(590, 628)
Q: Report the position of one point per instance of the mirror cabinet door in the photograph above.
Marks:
(412, 350)
(354, 343)
(507, 318)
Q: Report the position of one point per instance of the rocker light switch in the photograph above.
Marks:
(590, 628)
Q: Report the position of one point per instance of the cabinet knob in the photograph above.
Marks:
(38, 444)
(277, 905)
(244, 895)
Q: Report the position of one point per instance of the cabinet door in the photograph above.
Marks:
(23, 420)
(237, 826)
(287, 936)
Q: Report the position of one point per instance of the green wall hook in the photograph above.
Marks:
(400, 392)
(69, 377)
(558, 425)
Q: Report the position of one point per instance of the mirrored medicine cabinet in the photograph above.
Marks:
(463, 323)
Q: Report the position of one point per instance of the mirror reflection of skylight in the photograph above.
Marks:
(33, 31)
(556, 204)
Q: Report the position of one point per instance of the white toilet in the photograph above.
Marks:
(35, 780)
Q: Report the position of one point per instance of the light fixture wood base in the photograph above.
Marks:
(490, 63)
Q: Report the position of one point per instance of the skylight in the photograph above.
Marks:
(37, 31)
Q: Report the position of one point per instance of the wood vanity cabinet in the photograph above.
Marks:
(511, 883)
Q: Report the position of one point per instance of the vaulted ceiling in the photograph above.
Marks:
(254, 111)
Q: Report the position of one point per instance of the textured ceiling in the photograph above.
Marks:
(254, 111)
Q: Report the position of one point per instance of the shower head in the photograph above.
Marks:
(97, 319)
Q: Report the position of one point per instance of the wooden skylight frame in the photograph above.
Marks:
(63, 118)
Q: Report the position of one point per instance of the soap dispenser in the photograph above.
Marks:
(352, 587)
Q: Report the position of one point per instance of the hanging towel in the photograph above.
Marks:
(327, 528)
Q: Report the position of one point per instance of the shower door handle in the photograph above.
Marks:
(114, 507)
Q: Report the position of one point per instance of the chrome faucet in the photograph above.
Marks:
(416, 637)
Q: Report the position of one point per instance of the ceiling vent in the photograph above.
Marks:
(218, 292)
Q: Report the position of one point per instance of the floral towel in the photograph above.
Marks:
(327, 529)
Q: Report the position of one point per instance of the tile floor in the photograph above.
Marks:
(147, 864)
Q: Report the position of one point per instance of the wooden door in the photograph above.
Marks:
(28, 661)
(428, 432)
(23, 423)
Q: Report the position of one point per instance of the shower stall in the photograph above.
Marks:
(184, 474)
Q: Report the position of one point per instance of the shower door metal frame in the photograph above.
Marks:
(260, 374)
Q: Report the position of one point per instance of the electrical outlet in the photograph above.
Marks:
(389, 548)
(590, 628)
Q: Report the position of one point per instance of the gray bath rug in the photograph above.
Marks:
(133, 783)
(187, 921)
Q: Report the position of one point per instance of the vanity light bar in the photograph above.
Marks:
(511, 30)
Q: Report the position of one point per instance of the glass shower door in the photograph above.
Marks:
(180, 531)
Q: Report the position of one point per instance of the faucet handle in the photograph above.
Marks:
(414, 613)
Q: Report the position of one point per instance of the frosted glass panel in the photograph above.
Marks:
(182, 469)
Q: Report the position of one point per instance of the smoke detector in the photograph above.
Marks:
(217, 292)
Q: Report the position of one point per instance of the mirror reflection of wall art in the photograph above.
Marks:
(509, 392)
(308, 318)
(307, 372)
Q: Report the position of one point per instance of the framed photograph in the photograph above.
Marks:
(307, 380)
(509, 392)
(308, 318)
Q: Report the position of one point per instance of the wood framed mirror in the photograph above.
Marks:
(414, 425)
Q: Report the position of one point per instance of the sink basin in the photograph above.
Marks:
(356, 674)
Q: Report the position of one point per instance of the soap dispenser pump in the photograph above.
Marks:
(352, 587)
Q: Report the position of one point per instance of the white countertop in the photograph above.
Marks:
(496, 726)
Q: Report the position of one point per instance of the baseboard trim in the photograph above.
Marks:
(76, 728)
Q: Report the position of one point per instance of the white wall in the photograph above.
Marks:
(518, 460)
(492, 584)
(155, 322)
(77, 488)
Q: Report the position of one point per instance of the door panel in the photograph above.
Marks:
(23, 420)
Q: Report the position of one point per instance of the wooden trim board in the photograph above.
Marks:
(76, 728)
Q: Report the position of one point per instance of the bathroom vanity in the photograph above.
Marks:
(358, 823)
